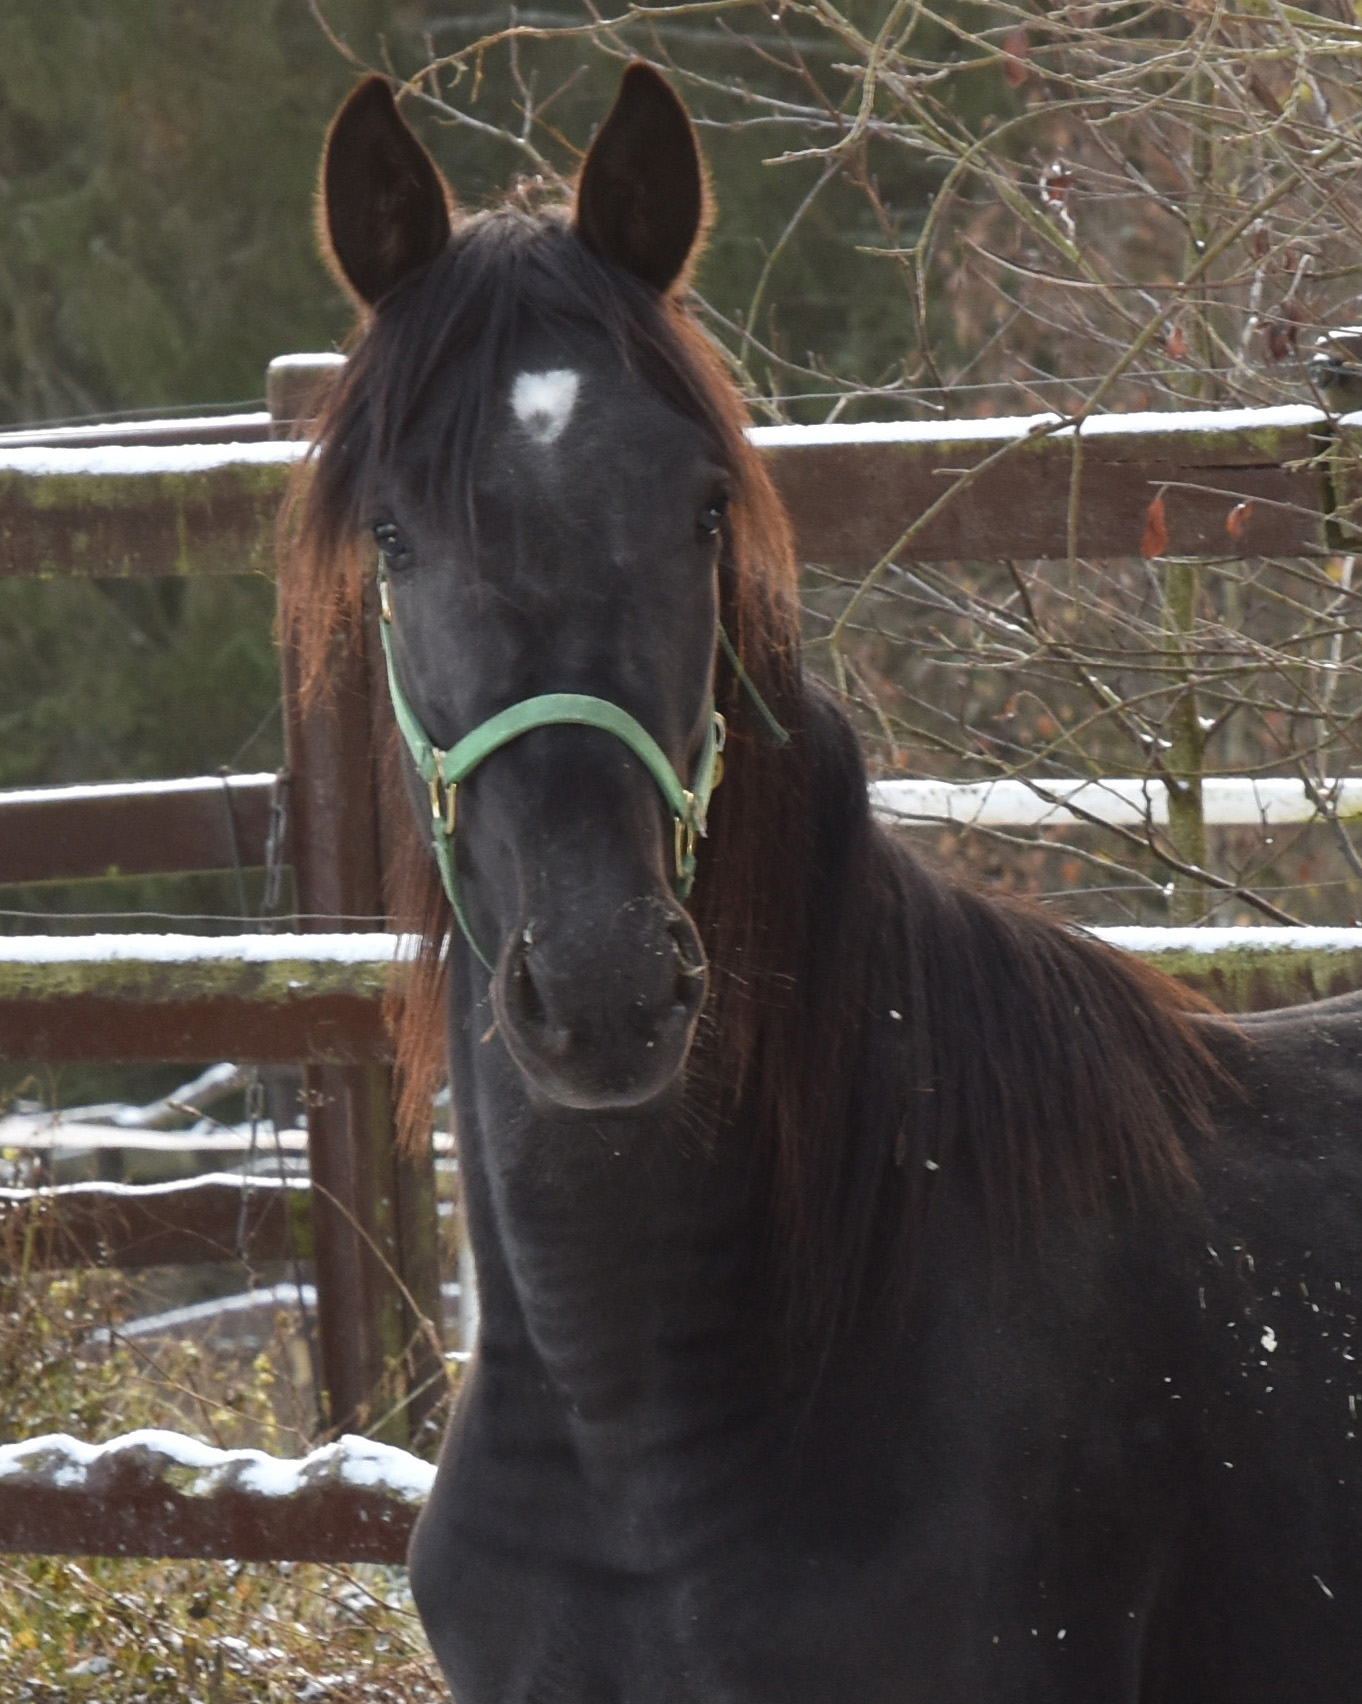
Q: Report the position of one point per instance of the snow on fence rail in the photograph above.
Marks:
(243, 427)
(260, 998)
(39, 1132)
(219, 823)
(217, 1217)
(134, 828)
(1112, 801)
(154, 1493)
(122, 978)
(852, 491)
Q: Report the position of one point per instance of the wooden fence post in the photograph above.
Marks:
(374, 1210)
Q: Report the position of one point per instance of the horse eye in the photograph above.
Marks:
(388, 536)
(711, 517)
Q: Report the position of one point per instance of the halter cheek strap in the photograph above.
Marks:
(443, 771)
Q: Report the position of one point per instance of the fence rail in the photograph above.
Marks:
(160, 1494)
(71, 834)
(213, 1218)
(855, 493)
(265, 980)
(250, 426)
(255, 998)
(1133, 801)
(55, 834)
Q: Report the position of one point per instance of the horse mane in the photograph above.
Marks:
(945, 1038)
(887, 1028)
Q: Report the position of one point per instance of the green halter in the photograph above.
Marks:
(443, 771)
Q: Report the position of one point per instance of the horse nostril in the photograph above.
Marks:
(692, 975)
(592, 994)
(528, 1000)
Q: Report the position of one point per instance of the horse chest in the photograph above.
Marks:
(669, 1575)
(668, 1556)
(562, 1593)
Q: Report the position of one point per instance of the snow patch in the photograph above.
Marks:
(145, 460)
(251, 422)
(319, 358)
(258, 1185)
(1152, 940)
(1118, 801)
(999, 429)
(67, 1462)
(97, 791)
(361, 947)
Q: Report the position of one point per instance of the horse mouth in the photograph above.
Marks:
(602, 1020)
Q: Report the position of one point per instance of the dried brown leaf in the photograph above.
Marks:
(1155, 540)
(1016, 52)
(1279, 341)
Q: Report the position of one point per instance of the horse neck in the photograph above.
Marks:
(616, 1254)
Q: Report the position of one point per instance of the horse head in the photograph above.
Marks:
(548, 491)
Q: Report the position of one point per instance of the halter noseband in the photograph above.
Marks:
(443, 771)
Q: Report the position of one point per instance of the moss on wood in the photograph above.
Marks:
(217, 520)
(164, 980)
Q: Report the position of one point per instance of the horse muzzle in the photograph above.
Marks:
(600, 1017)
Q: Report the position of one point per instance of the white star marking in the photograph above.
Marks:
(543, 402)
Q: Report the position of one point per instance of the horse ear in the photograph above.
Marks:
(384, 206)
(642, 200)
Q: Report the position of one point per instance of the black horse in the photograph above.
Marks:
(889, 1294)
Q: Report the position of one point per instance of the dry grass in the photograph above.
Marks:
(188, 1632)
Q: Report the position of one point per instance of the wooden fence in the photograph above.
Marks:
(200, 497)
(158, 1493)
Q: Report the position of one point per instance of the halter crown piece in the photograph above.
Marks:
(443, 771)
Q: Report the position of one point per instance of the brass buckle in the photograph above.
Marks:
(385, 606)
(685, 839)
(444, 800)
